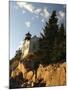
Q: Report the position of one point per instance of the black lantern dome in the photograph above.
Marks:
(28, 36)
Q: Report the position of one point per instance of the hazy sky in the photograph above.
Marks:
(26, 16)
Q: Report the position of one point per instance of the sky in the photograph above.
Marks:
(30, 17)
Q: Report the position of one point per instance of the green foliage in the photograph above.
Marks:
(52, 41)
(15, 60)
(18, 54)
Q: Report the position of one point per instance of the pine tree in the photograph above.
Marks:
(48, 37)
(63, 42)
(60, 46)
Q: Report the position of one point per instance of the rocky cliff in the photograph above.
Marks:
(48, 75)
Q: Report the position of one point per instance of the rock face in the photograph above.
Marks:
(51, 75)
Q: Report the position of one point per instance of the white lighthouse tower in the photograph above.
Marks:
(30, 45)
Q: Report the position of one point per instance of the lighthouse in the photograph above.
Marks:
(30, 45)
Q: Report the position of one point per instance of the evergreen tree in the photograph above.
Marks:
(18, 54)
(59, 50)
(53, 41)
(48, 37)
